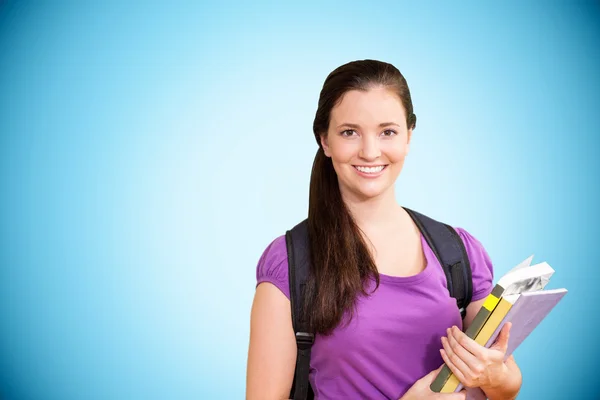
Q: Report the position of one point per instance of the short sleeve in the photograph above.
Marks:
(482, 270)
(273, 266)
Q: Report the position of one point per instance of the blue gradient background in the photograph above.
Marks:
(149, 153)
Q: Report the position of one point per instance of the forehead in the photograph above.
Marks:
(368, 107)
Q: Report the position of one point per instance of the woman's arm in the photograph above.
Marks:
(272, 349)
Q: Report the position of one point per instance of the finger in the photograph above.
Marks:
(477, 350)
(456, 361)
(456, 371)
(430, 377)
(462, 395)
(473, 364)
(452, 396)
(436, 371)
(501, 342)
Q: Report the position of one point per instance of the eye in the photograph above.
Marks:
(389, 132)
(348, 132)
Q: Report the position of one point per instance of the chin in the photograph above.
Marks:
(370, 192)
(365, 189)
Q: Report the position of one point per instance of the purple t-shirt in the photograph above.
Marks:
(395, 335)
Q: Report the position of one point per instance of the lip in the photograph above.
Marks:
(371, 176)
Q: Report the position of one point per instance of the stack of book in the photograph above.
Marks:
(519, 297)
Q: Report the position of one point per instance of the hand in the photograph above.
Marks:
(421, 390)
(473, 364)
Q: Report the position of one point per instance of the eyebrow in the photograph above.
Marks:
(355, 126)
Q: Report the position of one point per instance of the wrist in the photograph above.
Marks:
(506, 386)
(500, 379)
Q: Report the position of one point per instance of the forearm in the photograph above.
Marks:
(508, 387)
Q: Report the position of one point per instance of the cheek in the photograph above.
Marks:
(342, 152)
(397, 153)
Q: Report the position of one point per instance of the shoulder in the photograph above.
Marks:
(482, 269)
(273, 266)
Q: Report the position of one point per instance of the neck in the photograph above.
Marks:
(374, 212)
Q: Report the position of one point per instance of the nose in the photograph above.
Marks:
(369, 149)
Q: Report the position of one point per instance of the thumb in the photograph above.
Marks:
(502, 340)
(462, 395)
(430, 377)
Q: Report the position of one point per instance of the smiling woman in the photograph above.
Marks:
(367, 155)
(376, 299)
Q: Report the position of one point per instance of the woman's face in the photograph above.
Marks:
(367, 141)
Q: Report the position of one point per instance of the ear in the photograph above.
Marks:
(325, 145)
(408, 137)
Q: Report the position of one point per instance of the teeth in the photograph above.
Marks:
(370, 170)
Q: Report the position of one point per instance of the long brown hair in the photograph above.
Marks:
(341, 261)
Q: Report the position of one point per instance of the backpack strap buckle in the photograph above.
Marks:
(304, 340)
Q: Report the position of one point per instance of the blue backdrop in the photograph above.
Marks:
(150, 151)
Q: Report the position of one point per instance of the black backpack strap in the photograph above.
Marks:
(450, 251)
(298, 270)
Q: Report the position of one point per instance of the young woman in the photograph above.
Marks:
(380, 307)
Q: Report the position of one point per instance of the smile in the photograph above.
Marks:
(370, 171)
